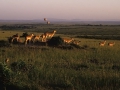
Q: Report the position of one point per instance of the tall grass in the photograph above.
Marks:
(89, 67)
(53, 68)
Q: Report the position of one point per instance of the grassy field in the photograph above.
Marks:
(89, 67)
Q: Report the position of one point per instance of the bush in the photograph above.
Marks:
(24, 34)
(19, 66)
(55, 41)
(4, 43)
(5, 75)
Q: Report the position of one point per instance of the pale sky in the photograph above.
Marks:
(60, 9)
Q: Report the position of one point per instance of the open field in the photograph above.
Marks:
(87, 66)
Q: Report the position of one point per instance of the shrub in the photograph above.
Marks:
(24, 34)
(116, 67)
(4, 43)
(55, 41)
(19, 66)
(5, 75)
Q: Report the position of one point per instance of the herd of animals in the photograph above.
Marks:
(32, 37)
(44, 38)
(109, 43)
(48, 35)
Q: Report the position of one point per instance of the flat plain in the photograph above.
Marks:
(87, 66)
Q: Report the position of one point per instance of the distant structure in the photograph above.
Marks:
(48, 22)
(45, 19)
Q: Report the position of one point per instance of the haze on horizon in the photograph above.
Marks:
(60, 9)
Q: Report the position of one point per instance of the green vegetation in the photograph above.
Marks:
(86, 66)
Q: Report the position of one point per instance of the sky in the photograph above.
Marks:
(60, 9)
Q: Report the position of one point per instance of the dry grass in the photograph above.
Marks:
(89, 67)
